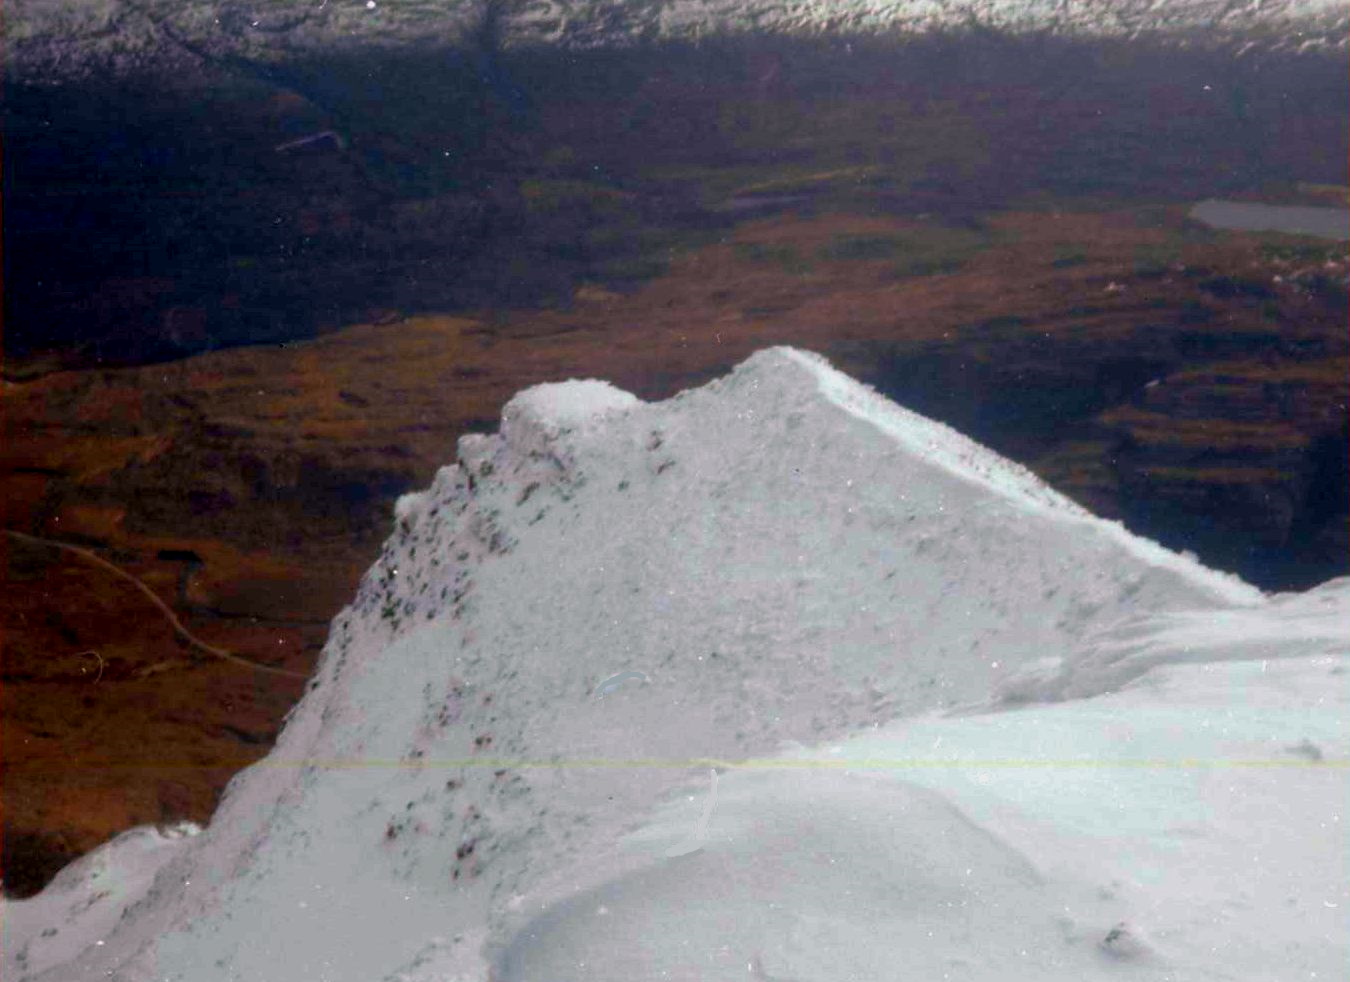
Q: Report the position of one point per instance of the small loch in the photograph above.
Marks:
(1323, 223)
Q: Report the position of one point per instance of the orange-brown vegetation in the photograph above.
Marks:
(1135, 361)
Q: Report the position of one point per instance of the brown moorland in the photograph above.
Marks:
(1190, 382)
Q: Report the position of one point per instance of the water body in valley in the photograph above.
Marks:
(1249, 216)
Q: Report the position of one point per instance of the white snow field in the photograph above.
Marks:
(770, 681)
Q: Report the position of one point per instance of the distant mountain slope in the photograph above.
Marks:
(49, 39)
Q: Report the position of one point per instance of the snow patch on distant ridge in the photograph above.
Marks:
(54, 39)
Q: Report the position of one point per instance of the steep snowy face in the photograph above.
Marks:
(608, 586)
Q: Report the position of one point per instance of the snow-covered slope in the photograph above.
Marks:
(72, 38)
(1188, 828)
(596, 608)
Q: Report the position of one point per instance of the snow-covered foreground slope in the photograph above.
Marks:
(550, 738)
(1189, 826)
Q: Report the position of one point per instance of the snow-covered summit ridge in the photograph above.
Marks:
(536, 417)
(545, 411)
(52, 39)
(604, 21)
(971, 461)
(559, 405)
(932, 440)
(780, 554)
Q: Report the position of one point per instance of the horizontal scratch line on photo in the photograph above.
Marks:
(680, 763)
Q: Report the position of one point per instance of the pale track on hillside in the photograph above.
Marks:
(179, 628)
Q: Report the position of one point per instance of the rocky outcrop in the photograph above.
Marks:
(1241, 443)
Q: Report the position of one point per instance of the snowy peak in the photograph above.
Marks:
(542, 413)
(932, 441)
(610, 587)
